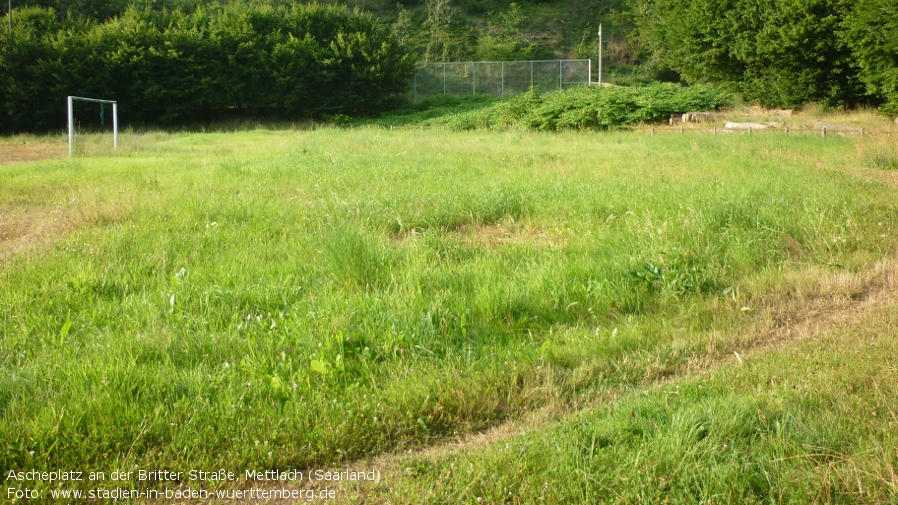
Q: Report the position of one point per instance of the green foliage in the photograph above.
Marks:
(872, 33)
(169, 67)
(506, 38)
(780, 54)
(432, 109)
(575, 108)
(446, 36)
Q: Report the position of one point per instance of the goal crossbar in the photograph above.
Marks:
(71, 102)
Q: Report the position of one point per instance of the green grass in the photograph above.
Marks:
(274, 299)
(813, 423)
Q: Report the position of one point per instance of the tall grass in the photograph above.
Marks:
(812, 423)
(289, 299)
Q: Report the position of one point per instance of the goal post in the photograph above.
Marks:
(71, 108)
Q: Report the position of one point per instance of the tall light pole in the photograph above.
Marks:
(10, 15)
(600, 54)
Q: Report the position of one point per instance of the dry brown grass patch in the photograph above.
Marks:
(503, 234)
(21, 229)
(17, 151)
(24, 228)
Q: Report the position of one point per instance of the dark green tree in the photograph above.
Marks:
(872, 33)
(776, 52)
(170, 67)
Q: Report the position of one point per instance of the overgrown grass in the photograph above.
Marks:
(289, 299)
(813, 423)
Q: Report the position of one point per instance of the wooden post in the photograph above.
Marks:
(824, 132)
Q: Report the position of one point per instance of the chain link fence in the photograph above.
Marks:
(499, 78)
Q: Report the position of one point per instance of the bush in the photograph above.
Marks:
(591, 107)
(575, 108)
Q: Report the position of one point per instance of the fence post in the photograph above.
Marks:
(824, 132)
(503, 79)
(531, 73)
(474, 76)
(444, 77)
(559, 76)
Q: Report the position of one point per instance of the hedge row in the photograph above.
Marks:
(171, 68)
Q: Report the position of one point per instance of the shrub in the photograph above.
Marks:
(574, 108)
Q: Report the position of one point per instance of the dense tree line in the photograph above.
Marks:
(180, 60)
(171, 66)
(779, 52)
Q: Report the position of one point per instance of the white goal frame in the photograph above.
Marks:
(71, 101)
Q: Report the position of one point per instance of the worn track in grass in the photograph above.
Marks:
(831, 300)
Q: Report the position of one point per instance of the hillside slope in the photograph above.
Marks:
(448, 29)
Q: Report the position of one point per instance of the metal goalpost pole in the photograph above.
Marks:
(71, 119)
(115, 126)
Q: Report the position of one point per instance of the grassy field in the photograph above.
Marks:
(488, 317)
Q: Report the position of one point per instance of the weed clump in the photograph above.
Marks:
(885, 161)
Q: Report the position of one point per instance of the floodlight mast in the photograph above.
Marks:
(71, 100)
